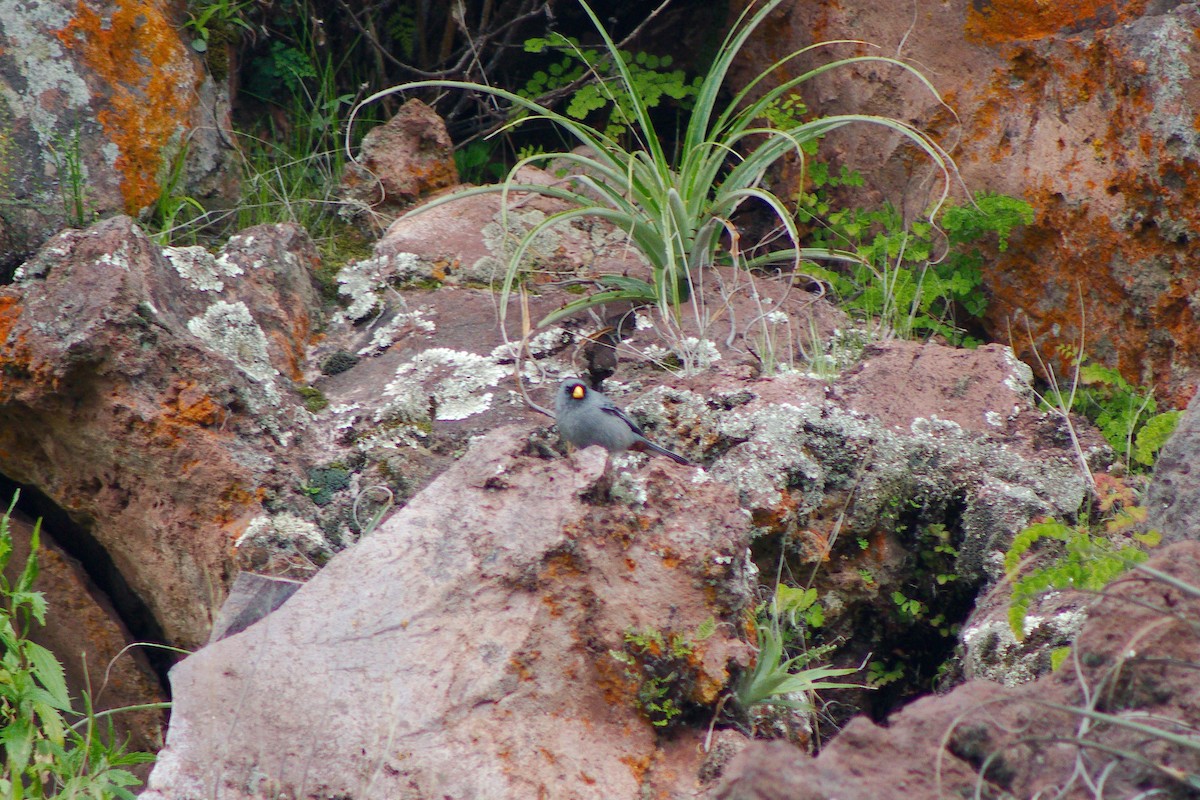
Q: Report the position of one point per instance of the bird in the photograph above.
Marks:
(586, 417)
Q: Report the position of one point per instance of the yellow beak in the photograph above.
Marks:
(578, 392)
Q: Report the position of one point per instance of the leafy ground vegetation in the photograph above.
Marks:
(55, 746)
(674, 155)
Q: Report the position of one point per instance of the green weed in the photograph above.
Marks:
(67, 157)
(663, 670)
(44, 754)
(608, 94)
(1126, 415)
(777, 679)
(1086, 561)
(914, 279)
(212, 19)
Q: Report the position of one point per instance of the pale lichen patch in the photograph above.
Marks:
(442, 384)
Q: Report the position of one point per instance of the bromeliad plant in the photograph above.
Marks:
(677, 209)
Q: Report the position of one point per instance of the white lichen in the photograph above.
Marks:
(284, 530)
(544, 344)
(361, 281)
(203, 271)
(443, 384)
(1020, 376)
(229, 329)
(390, 332)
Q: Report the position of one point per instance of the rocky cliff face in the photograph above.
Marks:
(1086, 110)
(486, 615)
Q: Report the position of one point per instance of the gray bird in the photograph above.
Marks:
(586, 417)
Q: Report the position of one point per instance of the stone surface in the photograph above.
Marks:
(408, 156)
(1132, 662)
(142, 397)
(1087, 110)
(98, 97)
(465, 240)
(464, 648)
(198, 414)
(1173, 497)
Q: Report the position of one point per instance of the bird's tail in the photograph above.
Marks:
(678, 459)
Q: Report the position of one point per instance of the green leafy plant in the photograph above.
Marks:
(1087, 561)
(476, 163)
(1126, 415)
(676, 211)
(44, 755)
(67, 157)
(781, 680)
(662, 668)
(646, 81)
(174, 215)
(799, 607)
(879, 674)
(911, 279)
(910, 609)
(208, 19)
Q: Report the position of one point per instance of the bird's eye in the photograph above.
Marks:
(578, 391)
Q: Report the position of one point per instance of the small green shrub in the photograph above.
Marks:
(1087, 561)
(799, 608)
(1126, 415)
(67, 158)
(44, 754)
(211, 19)
(777, 679)
(912, 279)
(477, 163)
(608, 95)
(663, 669)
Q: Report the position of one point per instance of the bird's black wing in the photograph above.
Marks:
(609, 408)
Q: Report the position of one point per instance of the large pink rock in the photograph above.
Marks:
(465, 649)
(148, 395)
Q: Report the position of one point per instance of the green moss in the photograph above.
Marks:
(314, 399)
(324, 482)
(338, 362)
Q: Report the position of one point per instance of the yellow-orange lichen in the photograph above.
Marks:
(137, 56)
(204, 412)
(1000, 21)
(10, 312)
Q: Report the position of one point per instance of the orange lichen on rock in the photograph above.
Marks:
(1001, 21)
(10, 312)
(137, 56)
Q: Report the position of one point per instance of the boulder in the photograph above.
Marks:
(102, 101)
(1109, 717)
(478, 644)
(408, 156)
(144, 400)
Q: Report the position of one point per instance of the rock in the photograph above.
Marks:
(142, 397)
(1172, 497)
(408, 156)
(1082, 111)
(99, 99)
(151, 392)
(90, 640)
(466, 240)
(865, 491)
(251, 597)
(1069, 730)
(465, 648)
